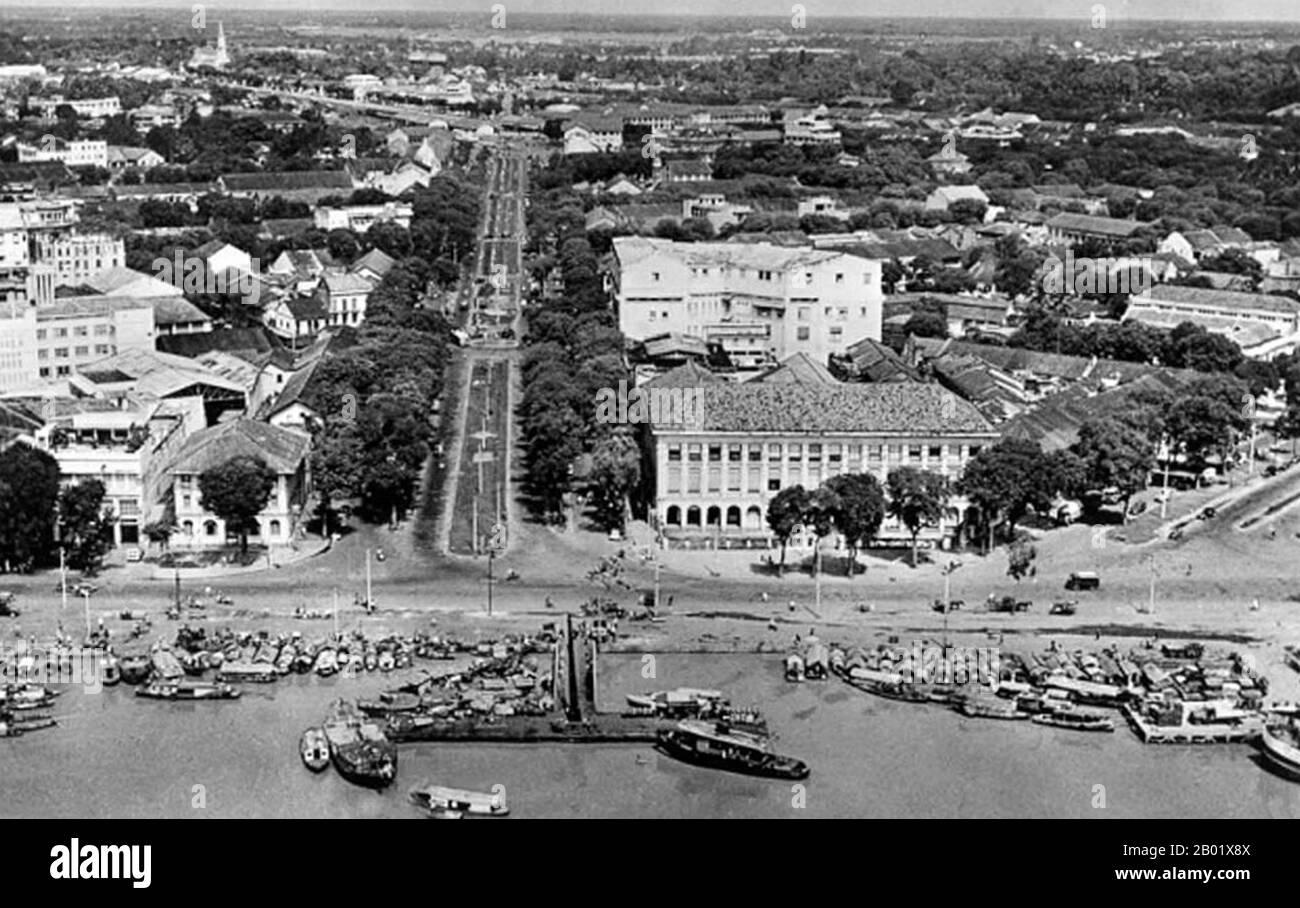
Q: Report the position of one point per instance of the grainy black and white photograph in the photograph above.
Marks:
(568, 409)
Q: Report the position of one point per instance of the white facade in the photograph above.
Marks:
(73, 332)
(77, 153)
(84, 107)
(17, 347)
(77, 257)
(811, 301)
(360, 218)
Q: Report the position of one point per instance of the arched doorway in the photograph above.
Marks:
(733, 516)
(693, 516)
(674, 516)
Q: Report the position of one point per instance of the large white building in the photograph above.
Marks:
(76, 153)
(774, 300)
(715, 474)
(90, 108)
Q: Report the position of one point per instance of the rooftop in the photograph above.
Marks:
(282, 449)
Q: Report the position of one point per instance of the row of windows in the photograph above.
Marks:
(805, 278)
(62, 352)
(701, 479)
(796, 452)
(77, 331)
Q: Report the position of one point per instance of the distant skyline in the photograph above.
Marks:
(1182, 10)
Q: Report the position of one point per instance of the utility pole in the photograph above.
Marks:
(492, 554)
(369, 597)
(1164, 491)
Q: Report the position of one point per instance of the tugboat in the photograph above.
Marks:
(360, 750)
(441, 801)
(188, 690)
(718, 746)
(1280, 743)
(315, 750)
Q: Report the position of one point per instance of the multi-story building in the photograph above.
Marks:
(285, 451)
(810, 128)
(75, 153)
(76, 257)
(123, 444)
(804, 300)
(18, 366)
(716, 473)
(91, 108)
(77, 330)
(344, 296)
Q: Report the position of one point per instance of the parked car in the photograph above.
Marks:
(1083, 580)
(1207, 514)
(1136, 508)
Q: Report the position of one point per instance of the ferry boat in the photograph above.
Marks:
(1280, 743)
(441, 800)
(1075, 721)
(187, 690)
(718, 746)
(314, 748)
(360, 750)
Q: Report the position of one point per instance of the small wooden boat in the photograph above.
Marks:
(326, 663)
(438, 797)
(110, 671)
(386, 660)
(370, 660)
(35, 723)
(314, 748)
(247, 673)
(135, 669)
(990, 708)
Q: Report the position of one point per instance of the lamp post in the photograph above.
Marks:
(947, 596)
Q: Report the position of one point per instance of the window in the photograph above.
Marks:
(802, 333)
(209, 528)
(60, 352)
(42, 354)
(803, 313)
(839, 277)
(101, 349)
(654, 276)
(60, 332)
(774, 453)
(674, 453)
(45, 372)
(795, 453)
(693, 453)
(837, 332)
(814, 453)
(936, 452)
(774, 485)
(101, 330)
(734, 453)
(755, 453)
(40, 334)
(715, 453)
(81, 331)
(835, 455)
(82, 351)
(913, 453)
(975, 449)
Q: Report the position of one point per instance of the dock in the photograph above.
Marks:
(1210, 733)
(576, 719)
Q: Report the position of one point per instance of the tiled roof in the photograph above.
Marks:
(1088, 223)
(346, 283)
(909, 408)
(282, 449)
(799, 368)
(1223, 299)
(631, 249)
(375, 260)
(286, 180)
(239, 341)
(295, 387)
(688, 375)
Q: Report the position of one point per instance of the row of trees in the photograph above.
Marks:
(855, 505)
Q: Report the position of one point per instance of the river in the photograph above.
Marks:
(118, 756)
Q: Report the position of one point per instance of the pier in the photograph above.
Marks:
(1216, 733)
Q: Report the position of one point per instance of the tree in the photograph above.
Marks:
(85, 526)
(785, 514)
(917, 498)
(861, 511)
(1115, 453)
(160, 532)
(1020, 559)
(819, 514)
(237, 491)
(615, 473)
(29, 489)
(1008, 479)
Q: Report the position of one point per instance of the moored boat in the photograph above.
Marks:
(314, 748)
(1280, 744)
(1075, 720)
(187, 690)
(440, 799)
(326, 663)
(718, 746)
(990, 708)
(135, 669)
(359, 748)
(247, 672)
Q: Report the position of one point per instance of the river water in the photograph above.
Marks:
(118, 756)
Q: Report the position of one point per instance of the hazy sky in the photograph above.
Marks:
(1275, 10)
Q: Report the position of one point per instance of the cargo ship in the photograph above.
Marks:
(718, 746)
(359, 748)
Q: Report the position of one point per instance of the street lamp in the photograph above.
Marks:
(947, 597)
